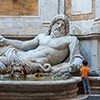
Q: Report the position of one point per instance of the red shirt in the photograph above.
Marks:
(85, 70)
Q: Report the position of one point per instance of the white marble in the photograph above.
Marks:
(49, 9)
(81, 6)
(45, 50)
(97, 8)
(81, 27)
(90, 48)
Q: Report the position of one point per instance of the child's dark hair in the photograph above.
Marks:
(85, 62)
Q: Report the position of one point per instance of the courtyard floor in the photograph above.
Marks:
(87, 97)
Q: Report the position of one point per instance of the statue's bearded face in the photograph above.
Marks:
(58, 29)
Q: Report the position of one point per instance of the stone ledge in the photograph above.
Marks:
(88, 36)
(21, 37)
(95, 85)
(72, 80)
(95, 78)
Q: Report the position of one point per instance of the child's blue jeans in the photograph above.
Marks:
(86, 85)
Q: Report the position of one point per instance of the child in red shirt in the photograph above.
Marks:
(85, 70)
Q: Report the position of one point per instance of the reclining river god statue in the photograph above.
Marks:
(44, 52)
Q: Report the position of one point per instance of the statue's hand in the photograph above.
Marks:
(75, 65)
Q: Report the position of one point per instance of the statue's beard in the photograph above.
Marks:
(57, 33)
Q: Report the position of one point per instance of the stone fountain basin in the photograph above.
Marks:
(39, 90)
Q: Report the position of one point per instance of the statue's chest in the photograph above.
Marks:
(45, 41)
(57, 43)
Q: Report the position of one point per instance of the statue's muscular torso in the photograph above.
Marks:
(51, 50)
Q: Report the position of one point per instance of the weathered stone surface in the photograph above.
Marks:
(90, 48)
(81, 7)
(95, 85)
(18, 7)
(81, 16)
(39, 90)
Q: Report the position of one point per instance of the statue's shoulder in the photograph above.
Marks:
(41, 35)
(71, 36)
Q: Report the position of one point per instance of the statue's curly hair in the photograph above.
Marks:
(62, 17)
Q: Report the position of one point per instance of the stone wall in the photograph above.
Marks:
(18, 7)
(15, 16)
(90, 48)
(84, 23)
(11, 24)
(82, 15)
(80, 10)
(84, 18)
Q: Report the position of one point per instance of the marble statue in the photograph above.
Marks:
(44, 52)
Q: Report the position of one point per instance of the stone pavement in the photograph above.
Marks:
(87, 97)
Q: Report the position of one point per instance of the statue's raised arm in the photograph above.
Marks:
(22, 45)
